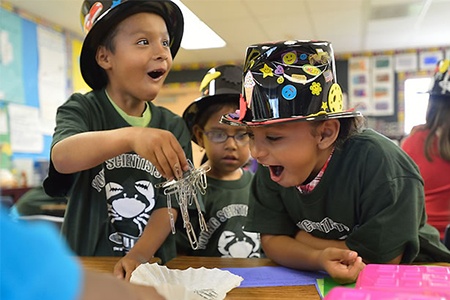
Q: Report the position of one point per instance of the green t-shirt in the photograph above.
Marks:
(110, 204)
(226, 209)
(370, 196)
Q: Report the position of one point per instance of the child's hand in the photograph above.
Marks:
(342, 265)
(163, 150)
(125, 266)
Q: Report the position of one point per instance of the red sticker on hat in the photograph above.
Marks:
(93, 14)
(242, 108)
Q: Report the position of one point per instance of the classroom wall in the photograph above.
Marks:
(39, 70)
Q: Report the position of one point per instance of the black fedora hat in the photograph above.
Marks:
(100, 17)
(221, 84)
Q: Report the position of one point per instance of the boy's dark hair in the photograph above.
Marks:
(208, 111)
(348, 128)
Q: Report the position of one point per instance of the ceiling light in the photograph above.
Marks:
(391, 11)
(197, 35)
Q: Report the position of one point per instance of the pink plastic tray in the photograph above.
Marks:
(343, 293)
(424, 280)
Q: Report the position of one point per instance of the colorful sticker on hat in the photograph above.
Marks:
(279, 70)
(207, 80)
(267, 71)
(328, 75)
(242, 108)
(316, 88)
(92, 15)
(335, 98)
(248, 84)
(289, 92)
(311, 70)
(290, 58)
(280, 80)
(443, 66)
(321, 57)
(297, 78)
(250, 59)
(303, 56)
(444, 84)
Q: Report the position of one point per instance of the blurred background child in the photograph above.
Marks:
(429, 146)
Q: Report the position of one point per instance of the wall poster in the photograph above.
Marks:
(382, 100)
(359, 84)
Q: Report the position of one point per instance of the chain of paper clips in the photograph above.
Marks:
(185, 192)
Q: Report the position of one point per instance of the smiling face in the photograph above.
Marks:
(138, 60)
(294, 152)
(227, 157)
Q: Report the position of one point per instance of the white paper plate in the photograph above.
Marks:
(192, 283)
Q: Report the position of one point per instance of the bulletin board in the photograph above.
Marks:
(37, 76)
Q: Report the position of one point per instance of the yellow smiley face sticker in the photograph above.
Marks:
(266, 71)
(290, 58)
(335, 98)
(280, 80)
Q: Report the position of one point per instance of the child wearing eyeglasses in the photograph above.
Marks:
(226, 152)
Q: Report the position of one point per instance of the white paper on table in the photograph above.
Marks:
(190, 282)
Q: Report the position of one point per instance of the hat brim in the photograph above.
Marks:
(92, 73)
(196, 108)
(230, 120)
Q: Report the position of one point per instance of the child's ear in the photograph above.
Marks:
(102, 57)
(198, 133)
(329, 131)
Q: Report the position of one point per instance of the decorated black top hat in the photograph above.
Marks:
(100, 17)
(220, 85)
(289, 81)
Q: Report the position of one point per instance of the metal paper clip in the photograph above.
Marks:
(185, 190)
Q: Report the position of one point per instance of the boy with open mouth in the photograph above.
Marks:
(329, 195)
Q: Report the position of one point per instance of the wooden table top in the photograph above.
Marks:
(307, 292)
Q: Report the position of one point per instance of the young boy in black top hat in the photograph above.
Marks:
(328, 195)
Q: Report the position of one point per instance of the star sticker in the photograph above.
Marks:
(324, 106)
(267, 71)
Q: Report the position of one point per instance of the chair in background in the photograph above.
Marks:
(37, 205)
